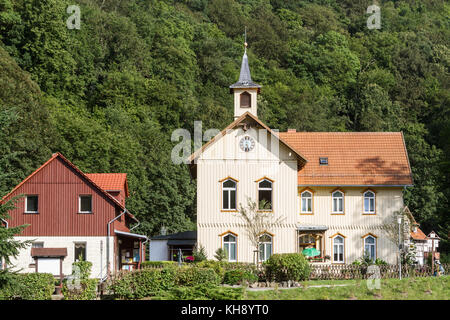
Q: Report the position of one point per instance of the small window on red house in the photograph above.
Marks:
(31, 204)
(85, 204)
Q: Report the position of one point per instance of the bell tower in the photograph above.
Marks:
(245, 91)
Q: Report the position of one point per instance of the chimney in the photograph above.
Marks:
(292, 130)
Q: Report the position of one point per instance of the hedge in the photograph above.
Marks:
(29, 286)
(287, 266)
(239, 276)
(142, 283)
(158, 264)
(202, 292)
(192, 276)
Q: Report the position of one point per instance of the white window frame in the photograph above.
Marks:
(374, 244)
(230, 242)
(306, 199)
(26, 203)
(369, 199)
(79, 203)
(339, 245)
(336, 200)
(228, 190)
(265, 245)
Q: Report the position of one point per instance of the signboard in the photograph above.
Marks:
(49, 265)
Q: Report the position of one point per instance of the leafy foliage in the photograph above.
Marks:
(287, 266)
(109, 95)
(29, 286)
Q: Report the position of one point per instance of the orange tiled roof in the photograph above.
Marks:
(418, 235)
(110, 181)
(354, 158)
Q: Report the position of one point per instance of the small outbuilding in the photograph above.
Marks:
(167, 247)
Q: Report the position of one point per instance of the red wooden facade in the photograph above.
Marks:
(58, 184)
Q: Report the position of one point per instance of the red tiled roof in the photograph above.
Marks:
(418, 235)
(110, 181)
(354, 158)
(48, 252)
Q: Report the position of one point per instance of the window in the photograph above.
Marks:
(323, 161)
(338, 202)
(80, 251)
(306, 202)
(245, 100)
(229, 195)
(369, 202)
(37, 245)
(229, 245)
(265, 195)
(338, 249)
(370, 247)
(31, 204)
(85, 204)
(265, 247)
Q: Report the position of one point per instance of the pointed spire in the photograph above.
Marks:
(245, 78)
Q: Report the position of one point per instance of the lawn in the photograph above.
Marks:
(427, 288)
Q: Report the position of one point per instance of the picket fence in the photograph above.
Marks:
(349, 271)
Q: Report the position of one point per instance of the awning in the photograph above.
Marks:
(311, 228)
(187, 242)
(49, 252)
(131, 235)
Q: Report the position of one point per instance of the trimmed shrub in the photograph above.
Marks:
(158, 264)
(203, 292)
(287, 266)
(30, 286)
(217, 266)
(142, 283)
(239, 276)
(192, 276)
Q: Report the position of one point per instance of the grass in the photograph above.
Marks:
(427, 288)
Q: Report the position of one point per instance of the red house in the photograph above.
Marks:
(73, 215)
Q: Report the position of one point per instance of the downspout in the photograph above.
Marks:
(143, 249)
(6, 226)
(108, 265)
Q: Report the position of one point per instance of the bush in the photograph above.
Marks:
(239, 276)
(287, 266)
(29, 286)
(199, 253)
(142, 283)
(217, 266)
(86, 291)
(79, 286)
(158, 264)
(203, 292)
(220, 255)
(192, 276)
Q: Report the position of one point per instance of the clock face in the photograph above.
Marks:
(247, 143)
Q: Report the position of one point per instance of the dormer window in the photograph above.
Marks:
(323, 161)
(245, 100)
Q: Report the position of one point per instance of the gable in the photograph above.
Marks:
(250, 125)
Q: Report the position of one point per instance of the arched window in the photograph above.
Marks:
(265, 247)
(230, 247)
(369, 202)
(306, 202)
(229, 194)
(265, 199)
(370, 247)
(246, 100)
(338, 249)
(338, 202)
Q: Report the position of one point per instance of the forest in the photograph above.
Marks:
(109, 94)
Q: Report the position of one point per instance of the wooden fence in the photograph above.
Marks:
(332, 272)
